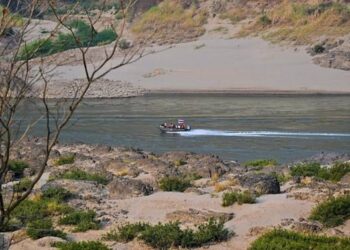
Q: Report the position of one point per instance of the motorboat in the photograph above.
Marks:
(181, 126)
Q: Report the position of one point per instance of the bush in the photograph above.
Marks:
(57, 193)
(23, 185)
(33, 210)
(332, 212)
(82, 245)
(180, 162)
(280, 239)
(334, 173)
(164, 236)
(174, 184)
(264, 20)
(124, 44)
(42, 228)
(85, 34)
(261, 163)
(18, 167)
(229, 198)
(65, 159)
(127, 232)
(318, 49)
(83, 220)
(77, 174)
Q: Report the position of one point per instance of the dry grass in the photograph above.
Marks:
(170, 22)
(301, 23)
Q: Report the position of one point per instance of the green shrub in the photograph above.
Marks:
(180, 162)
(18, 167)
(164, 236)
(84, 36)
(261, 163)
(23, 185)
(29, 210)
(126, 232)
(42, 228)
(280, 239)
(264, 20)
(33, 210)
(65, 159)
(334, 173)
(77, 174)
(124, 44)
(57, 193)
(83, 220)
(332, 212)
(318, 49)
(230, 198)
(82, 245)
(174, 184)
(281, 177)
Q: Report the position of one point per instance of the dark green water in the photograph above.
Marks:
(234, 127)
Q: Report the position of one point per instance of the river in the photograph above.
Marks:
(235, 127)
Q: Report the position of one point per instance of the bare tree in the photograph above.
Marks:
(18, 76)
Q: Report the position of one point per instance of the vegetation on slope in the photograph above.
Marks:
(332, 212)
(287, 240)
(170, 22)
(165, 236)
(301, 22)
(83, 32)
(334, 173)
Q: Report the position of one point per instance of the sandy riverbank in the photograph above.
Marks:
(235, 65)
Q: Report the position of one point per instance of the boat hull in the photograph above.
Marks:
(173, 130)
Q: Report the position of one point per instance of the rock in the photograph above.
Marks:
(85, 190)
(345, 179)
(48, 241)
(195, 217)
(122, 188)
(307, 227)
(260, 183)
(4, 242)
(255, 231)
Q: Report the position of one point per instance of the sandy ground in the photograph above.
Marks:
(269, 211)
(249, 64)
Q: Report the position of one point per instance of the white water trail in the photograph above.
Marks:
(209, 132)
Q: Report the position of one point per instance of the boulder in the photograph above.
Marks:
(260, 183)
(48, 241)
(122, 188)
(195, 216)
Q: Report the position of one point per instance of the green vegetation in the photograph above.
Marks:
(126, 232)
(84, 36)
(164, 236)
(23, 185)
(174, 184)
(281, 177)
(261, 163)
(35, 214)
(287, 240)
(230, 198)
(82, 245)
(42, 228)
(18, 167)
(264, 20)
(170, 20)
(83, 220)
(332, 212)
(57, 193)
(180, 162)
(318, 49)
(334, 173)
(77, 174)
(65, 159)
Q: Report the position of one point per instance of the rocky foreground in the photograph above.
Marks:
(129, 189)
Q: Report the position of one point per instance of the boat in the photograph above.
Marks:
(181, 126)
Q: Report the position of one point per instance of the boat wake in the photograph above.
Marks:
(208, 132)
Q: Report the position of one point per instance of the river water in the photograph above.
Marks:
(234, 127)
